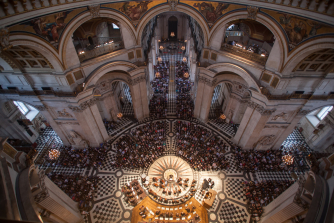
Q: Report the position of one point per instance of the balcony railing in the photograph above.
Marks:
(98, 51)
(244, 53)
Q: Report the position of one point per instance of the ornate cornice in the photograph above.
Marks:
(260, 108)
(275, 127)
(68, 123)
(303, 112)
(41, 107)
(206, 81)
(83, 105)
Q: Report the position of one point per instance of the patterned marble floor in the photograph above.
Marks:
(230, 203)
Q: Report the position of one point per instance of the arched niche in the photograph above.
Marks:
(306, 49)
(218, 31)
(180, 8)
(98, 73)
(127, 29)
(41, 46)
(241, 74)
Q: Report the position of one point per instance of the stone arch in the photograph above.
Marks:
(304, 50)
(232, 68)
(41, 46)
(180, 8)
(84, 17)
(219, 28)
(123, 66)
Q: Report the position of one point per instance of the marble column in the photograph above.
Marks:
(139, 97)
(203, 99)
(287, 131)
(109, 106)
(57, 128)
(251, 125)
(71, 56)
(91, 123)
(273, 61)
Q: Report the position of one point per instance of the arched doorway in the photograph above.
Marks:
(172, 28)
(221, 94)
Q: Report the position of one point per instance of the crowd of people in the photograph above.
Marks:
(258, 160)
(110, 125)
(184, 102)
(142, 146)
(202, 153)
(80, 189)
(260, 194)
(87, 157)
(158, 102)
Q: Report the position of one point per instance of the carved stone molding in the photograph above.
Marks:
(252, 12)
(94, 10)
(64, 113)
(206, 81)
(275, 127)
(41, 107)
(239, 87)
(260, 108)
(4, 39)
(281, 115)
(266, 140)
(137, 80)
(83, 105)
(68, 123)
(303, 112)
(75, 108)
(173, 5)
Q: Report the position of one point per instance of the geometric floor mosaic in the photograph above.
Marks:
(230, 203)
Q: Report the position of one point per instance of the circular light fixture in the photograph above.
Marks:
(183, 48)
(223, 116)
(161, 47)
(185, 41)
(186, 74)
(54, 154)
(288, 159)
(184, 59)
(119, 115)
(159, 59)
(157, 74)
(172, 34)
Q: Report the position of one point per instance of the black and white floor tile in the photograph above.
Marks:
(110, 205)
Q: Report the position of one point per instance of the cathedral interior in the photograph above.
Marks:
(167, 111)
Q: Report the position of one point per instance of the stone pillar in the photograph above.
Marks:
(203, 99)
(251, 125)
(288, 130)
(71, 56)
(109, 106)
(57, 128)
(91, 122)
(139, 96)
(273, 61)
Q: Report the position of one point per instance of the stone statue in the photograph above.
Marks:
(76, 140)
(64, 113)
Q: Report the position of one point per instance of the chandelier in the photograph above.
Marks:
(186, 74)
(119, 115)
(157, 74)
(172, 34)
(223, 116)
(161, 47)
(288, 159)
(54, 154)
(183, 48)
(159, 59)
(184, 59)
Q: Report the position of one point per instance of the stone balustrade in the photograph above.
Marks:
(244, 53)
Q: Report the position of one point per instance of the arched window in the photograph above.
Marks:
(23, 108)
(29, 111)
(323, 112)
